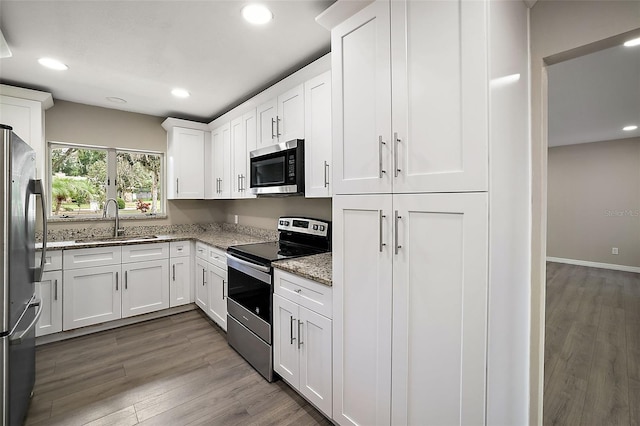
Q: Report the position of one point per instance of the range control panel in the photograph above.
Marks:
(304, 226)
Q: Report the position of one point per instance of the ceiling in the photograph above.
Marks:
(592, 97)
(139, 50)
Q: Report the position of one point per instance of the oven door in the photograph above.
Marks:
(278, 169)
(250, 295)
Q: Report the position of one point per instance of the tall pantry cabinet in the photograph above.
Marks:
(411, 212)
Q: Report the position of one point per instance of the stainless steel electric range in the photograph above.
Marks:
(250, 281)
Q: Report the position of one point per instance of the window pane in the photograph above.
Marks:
(138, 182)
(77, 181)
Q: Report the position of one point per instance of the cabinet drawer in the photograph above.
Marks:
(202, 250)
(52, 260)
(143, 252)
(310, 294)
(91, 257)
(179, 248)
(217, 257)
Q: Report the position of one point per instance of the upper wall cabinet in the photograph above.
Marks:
(317, 124)
(185, 160)
(243, 141)
(23, 109)
(281, 119)
(426, 62)
(219, 163)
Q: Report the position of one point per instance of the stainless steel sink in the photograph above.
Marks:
(116, 239)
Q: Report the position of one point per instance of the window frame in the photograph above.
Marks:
(110, 185)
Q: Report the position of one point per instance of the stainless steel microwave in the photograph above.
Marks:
(278, 169)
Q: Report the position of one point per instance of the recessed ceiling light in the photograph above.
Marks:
(629, 128)
(116, 100)
(256, 14)
(634, 42)
(180, 93)
(54, 64)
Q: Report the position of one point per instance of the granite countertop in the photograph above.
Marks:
(219, 239)
(316, 267)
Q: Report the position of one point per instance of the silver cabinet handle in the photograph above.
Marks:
(272, 124)
(396, 141)
(177, 185)
(203, 281)
(278, 120)
(326, 174)
(380, 143)
(174, 271)
(291, 338)
(397, 218)
(239, 187)
(300, 342)
(126, 280)
(55, 290)
(380, 223)
(223, 284)
(116, 281)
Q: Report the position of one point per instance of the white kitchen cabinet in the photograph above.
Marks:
(317, 145)
(49, 290)
(24, 111)
(243, 141)
(181, 269)
(302, 338)
(431, 309)
(410, 98)
(185, 163)
(91, 295)
(145, 287)
(217, 284)
(211, 283)
(281, 119)
(219, 185)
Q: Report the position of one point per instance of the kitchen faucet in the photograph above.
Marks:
(118, 231)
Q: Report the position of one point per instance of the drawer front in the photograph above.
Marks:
(310, 294)
(217, 257)
(143, 252)
(179, 248)
(52, 260)
(91, 257)
(202, 251)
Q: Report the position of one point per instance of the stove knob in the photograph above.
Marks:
(315, 227)
(286, 223)
(282, 222)
(322, 227)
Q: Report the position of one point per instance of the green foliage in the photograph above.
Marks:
(79, 190)
(121, 204)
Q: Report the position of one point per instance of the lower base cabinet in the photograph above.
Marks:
(180, 282)
(211, 285)
(302, 342)
(146, 287)
(49, 290)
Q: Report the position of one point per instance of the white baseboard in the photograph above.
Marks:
(600, 265)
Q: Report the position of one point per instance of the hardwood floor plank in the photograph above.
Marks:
(173, 371)
(634, 402)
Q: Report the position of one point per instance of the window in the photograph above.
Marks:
(84, 177)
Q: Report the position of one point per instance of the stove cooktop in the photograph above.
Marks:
(273, 250)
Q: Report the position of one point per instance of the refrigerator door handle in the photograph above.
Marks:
(16, 340)
(38, 189)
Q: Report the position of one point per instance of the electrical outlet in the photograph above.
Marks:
(614, 250)
(235, 220)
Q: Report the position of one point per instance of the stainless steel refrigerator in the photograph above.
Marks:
(20, 308)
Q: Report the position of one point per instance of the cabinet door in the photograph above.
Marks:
(360, 56)
(440, 309)
(201, 289)
(290, 118)
(243, 140)
(186, 164)
(27, 119)
(180, 282)
(285, 340)
(314, 341)
(250, 138)
(317, 145)
(362, 274)
(217, 283)
(266, 120)
(91, 296)
(146, 287)
(50, 292)
(221, 143)
(440, 85)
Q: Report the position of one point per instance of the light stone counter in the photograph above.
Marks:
(316, 268)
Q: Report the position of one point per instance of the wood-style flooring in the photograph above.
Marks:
(176, 370)
(592, 346)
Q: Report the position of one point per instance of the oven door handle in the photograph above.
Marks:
(264, 269)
